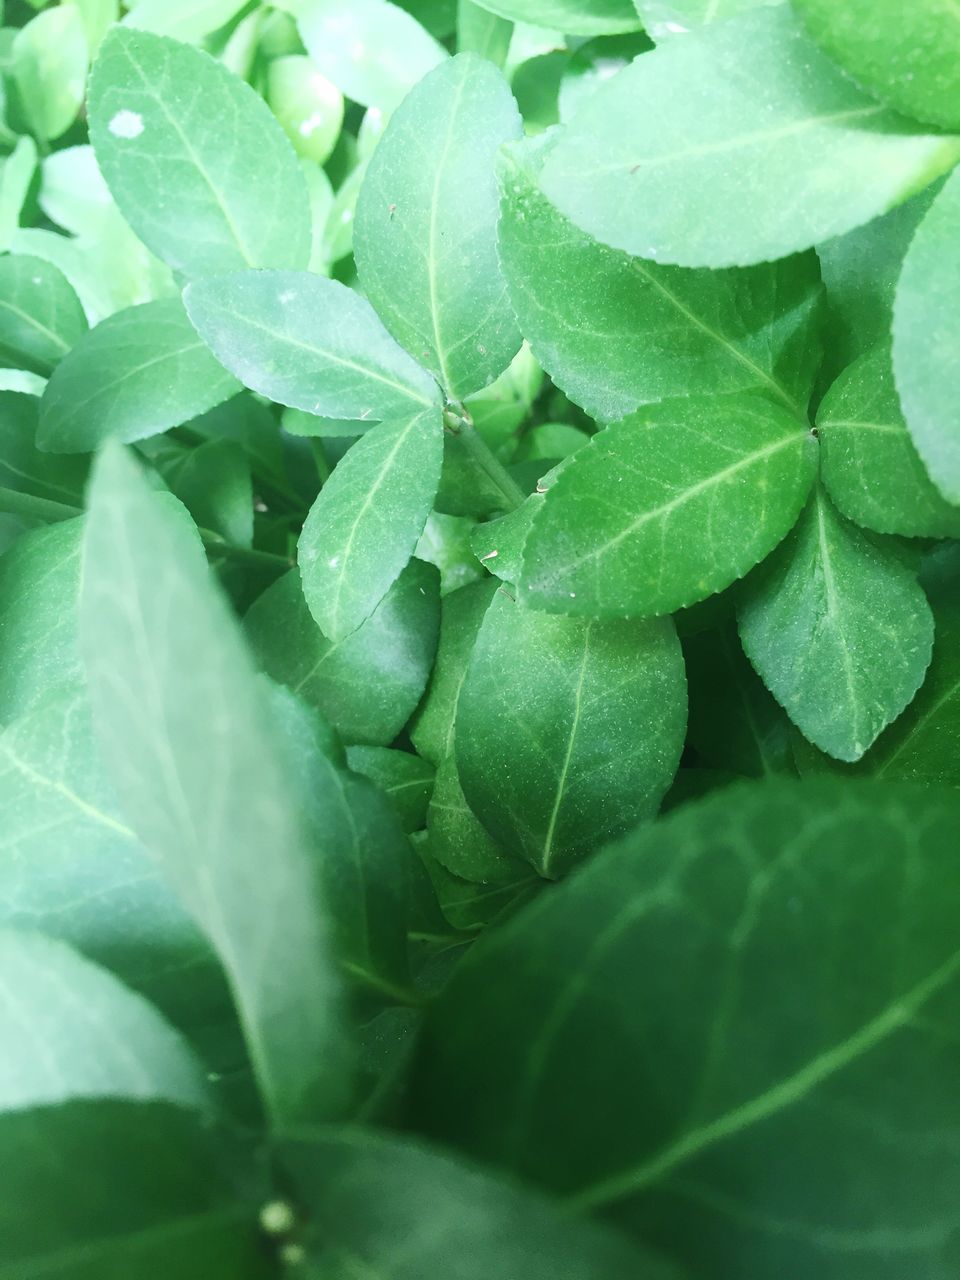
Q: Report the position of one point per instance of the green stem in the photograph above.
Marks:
(461, 424)
(13, 502)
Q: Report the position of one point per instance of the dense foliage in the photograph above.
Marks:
(480, 640)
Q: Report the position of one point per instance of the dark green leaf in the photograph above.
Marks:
(111, 1190)
(404, 779)
(459, 842)
(839, 629)
(569, 731)
(425, 234)
(189, 744)
(365, 524)
(368, 684)
(668, 506)
(198, 165)
(23, 467)
(732, 1031)
(137, 373)
(663, 161)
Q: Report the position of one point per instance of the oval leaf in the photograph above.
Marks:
(40, 315)
(307, 342)
(568, 731)
(167, 118)
(362, 529)
(136, 374)
(839, 630)
(746, 110)
(425, 234)
(668, 506)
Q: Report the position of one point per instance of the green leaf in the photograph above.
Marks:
(23, 467)
(190, 747)
(445, 542)
(461, 614)
(860, 271)
(839, 630)
(72, 868)
(480, 31)
(569, 731)
(137, 373)
(213, 482)
(165, 116)
(40, 315)
(742, 1028)
(499, 544)
(363, 527)
(744, 111)
(372, 50)
(187, 20)
(109, 1190)
(869, 465)
(364, 1195)
(425, 233)
(664, 19)
(923, 744)
(72, 1030)
(458, 841)
(308, 106)
(668, 506)
(16, 175)
(368, 684)
(309, 343)
(615, 332)
(907, 55)
(49, 69)
(578, 17)
(925, 336)
(360, 853)
(404, 779)
(39, 587)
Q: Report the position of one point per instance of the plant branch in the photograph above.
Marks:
(458, 421)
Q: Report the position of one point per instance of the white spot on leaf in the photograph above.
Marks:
(126, 124)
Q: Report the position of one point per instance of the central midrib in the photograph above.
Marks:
(780, 1096)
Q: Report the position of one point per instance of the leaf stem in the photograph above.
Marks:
(13, 502)
(458, 421)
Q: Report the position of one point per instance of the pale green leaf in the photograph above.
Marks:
(745, 114)
(49, 68)
(926, 331)
(363, 527)
(190, 747)
(365, 1195)
(72, 1030)
(569, 731)
(615, 332)
(23, 467)
(139, 372)
(578, 17)
(480, 31)
(39, 588)
(187, 20)
(742, 1029)
(368, 685)
(425, 233)
(308, 106)
(195, 160)
(373, 51)
(16, 175)
(309, 343)
(664, 19)
(668, 506)
(839, 630)
(40, 315)
(869, 464)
